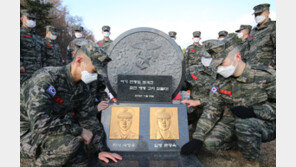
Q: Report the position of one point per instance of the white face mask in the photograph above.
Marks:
(226, 71)
(106, 34)
(53, 37)
(196, 40)
(240, 35)
(206, 61)
(221, 39)
(259, 19)
(31, 23)
(78, 34)
(87, 77)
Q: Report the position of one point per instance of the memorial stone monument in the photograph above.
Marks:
(146, 72)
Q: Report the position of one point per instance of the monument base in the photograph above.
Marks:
(150, 159)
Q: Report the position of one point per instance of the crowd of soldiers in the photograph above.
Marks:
(232, 93)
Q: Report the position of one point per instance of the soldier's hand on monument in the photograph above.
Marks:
(86, 135)
(105, 155)
(191, 147)
(22, 69)
(102, 105)
(243, 112)
(191, 103)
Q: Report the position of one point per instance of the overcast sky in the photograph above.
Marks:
(182, 16)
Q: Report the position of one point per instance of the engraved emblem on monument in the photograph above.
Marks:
(164, 123)
(124, 123)
(145, 53)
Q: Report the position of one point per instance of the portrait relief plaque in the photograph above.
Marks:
(164, 123)
(124, 123)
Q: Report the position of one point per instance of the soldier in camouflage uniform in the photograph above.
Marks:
(104, 43)
(76, 43)
(57, 114)
(31, 46)
(222, 35)
(248, 92)
(218, 135)
(200, 78)
(193, 52)
(243, 33)
(100, 93)
(52, 49)
(261, 44)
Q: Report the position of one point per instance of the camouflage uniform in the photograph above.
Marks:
(52, 50)
(216, 130)
(193, 52)
(261, 46)
(103, 43)
(31, 50)
(49, 132)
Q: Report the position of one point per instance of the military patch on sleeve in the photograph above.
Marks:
(214, 90)
(52, 91)
(186, 51)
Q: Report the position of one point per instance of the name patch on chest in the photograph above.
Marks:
(226, 92)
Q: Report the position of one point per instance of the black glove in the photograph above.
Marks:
(191, 147)
(243, 112)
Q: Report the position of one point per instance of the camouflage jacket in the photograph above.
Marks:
(256, 88)
(261, 47)
(201, 80)
(73, 45)
(104, 44)
(52, 53)
(48, 101)
(193, 55)
(31, 52)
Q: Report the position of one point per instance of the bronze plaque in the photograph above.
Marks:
(125, 123)
(164, 123)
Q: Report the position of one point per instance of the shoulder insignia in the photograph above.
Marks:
(51, 90)
(214, 90)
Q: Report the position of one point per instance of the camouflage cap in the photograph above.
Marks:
(172, 33)
(98, 57)
(51, 29)
(229, 46)
(196, 34)
(242, 27)
(261, 8)
(78, 28)
(28, 13)
(223, 33)
(106, 28)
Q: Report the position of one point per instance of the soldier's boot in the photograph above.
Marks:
(235, 154)
(251, 163)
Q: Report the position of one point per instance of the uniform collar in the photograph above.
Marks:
(258, 27)
(245, 75)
